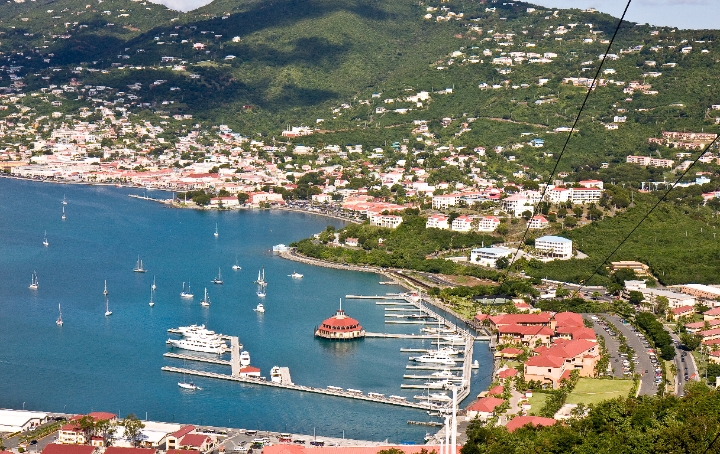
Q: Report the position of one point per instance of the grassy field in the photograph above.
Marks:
(537, 401)
(594, 390)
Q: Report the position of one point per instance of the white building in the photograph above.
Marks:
(538, 222)
(437, 221)
(12, 421)
(554, 246)
(488, 224)
(488, 256)
(440, 202)
(463, 223)
(389, 221)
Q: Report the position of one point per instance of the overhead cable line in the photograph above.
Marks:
(592, 87)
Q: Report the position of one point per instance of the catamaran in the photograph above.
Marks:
(45, 241)
(218, 278)
(34, 281)
(108, 312)
(139, 266)
(63, 215)
(216, 231)
(206, 301)
(59, 321)
(188, 293)
(236, 266)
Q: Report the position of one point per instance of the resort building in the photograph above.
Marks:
(437, 221)
(538, 222)
(554, 247)
(388, 221)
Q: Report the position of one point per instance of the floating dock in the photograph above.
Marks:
(399, 336)
(328, 392)
(197, 358)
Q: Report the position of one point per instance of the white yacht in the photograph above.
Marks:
(34, 281)
(194, 330)
(259, 308)
(191, 386)
(295, 275)
(236, 266)
(186, 293)
(261, 291)
(212, 344)
(437, 358)
(244, 358)
(206, 301)
(275, 375)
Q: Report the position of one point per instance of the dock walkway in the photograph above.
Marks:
(328, 392)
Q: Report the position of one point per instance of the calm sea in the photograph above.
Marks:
(113, 363)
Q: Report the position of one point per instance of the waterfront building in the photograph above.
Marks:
(386, 220)
(340, 327)
(12, 421)
(71, 434)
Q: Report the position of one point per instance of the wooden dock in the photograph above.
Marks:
(325, 391)
(197, 358)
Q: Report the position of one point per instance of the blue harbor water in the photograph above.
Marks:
(113, 363)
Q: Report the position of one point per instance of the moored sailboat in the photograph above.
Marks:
(139, 266)
(34, 281)
(218, 278)
(188, 293)
(108, 312)
(205, 301)
(59, 321)
(45, 241)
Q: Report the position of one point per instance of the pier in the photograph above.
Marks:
(377, 398)
(399, 336)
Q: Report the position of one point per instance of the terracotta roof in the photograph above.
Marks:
(498, 390)
(532, 330)
(545, 360)
(714, 311)
(520, 421)
(486, 404)
(183, 431)
(193, 440)
(569, 319)
(519, 319)
(699, 325)
(249, 369)
(119, 450)
(571, 349)
(53, 448)
(507, 373)
(181, 451)
(511, 351)
(683, 310)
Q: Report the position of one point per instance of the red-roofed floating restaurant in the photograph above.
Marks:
(340, 327)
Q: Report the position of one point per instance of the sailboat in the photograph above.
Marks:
(108, 312)
(59, 321)
(152, 291)
(236, 267)
(206, 301)
(105, 292)
(45, 241)
(188, 293)
(63, 215)
(218, 278)
(216, 231)
(191, 386)
(153, 284)
(34, 281)
(261, 277)
(64, 202)
(139, 266)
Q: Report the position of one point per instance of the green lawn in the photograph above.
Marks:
(537, 402)
(594, 390)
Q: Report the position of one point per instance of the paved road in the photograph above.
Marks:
(611, 343)
(644, 365)
(686, 368)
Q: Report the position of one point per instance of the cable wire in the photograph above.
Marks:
(661, 199)
(592, 87)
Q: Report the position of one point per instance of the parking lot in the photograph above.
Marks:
(611, 344)
(647, 364)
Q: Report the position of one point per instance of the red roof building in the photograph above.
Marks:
(69, 449)
(484, 408)
(507, 373)
(249, 371)
(201, 442)
(340, 327)
(119, 450)
(522, 421)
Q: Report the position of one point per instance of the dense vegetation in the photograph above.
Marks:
(657, 334)
(629, 425)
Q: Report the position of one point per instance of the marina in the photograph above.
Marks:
(101, 240)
